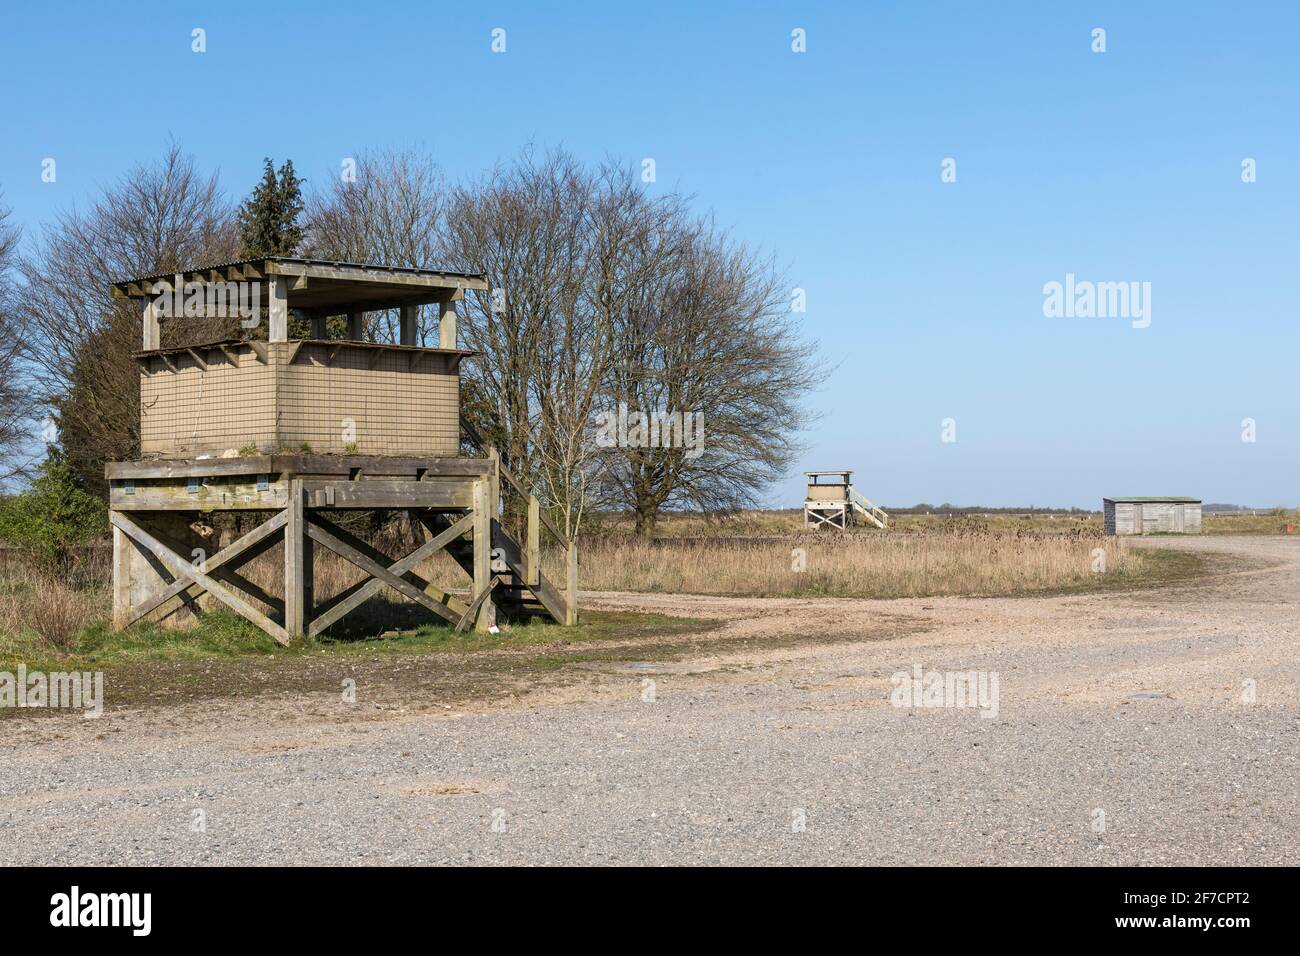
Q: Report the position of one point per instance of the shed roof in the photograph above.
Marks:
(1167, 499)
(319, 285)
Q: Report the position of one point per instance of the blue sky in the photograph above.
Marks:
(926, 296)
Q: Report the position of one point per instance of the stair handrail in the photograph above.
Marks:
(865, 503)
(529, 496)
(537, 517)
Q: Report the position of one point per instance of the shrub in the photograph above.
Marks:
(43, 604)
(54, 519)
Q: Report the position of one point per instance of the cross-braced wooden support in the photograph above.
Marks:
(180, 575)
(160, 574)
(826, 515)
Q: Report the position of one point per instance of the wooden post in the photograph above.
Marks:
(277, 308)
(308, 572)
(318, 327)
(356, 326)
(409, 315)
(447, 325)
(152, 327)
(533, 560)
(571, 583)
(295, 562)
(140, 575)
(121, 578)
(495, 477)
(483, 552)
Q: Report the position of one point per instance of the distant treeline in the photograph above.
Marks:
(950, 509)
(1244, 509)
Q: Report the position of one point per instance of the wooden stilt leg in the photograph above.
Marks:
(295, 555)
(571, 582)
(121, 578)
(308, 578)
(483, 552)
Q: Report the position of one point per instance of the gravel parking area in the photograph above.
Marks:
(1150, 727)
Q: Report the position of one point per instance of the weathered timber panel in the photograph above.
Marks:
(335, 398)
(216, 494)
(828, 493)
(344, 466)
(187, 409)
(1125, 515)
(443, 493)
(372, 401)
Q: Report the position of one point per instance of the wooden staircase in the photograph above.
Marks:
(519, 587)
(864, 507)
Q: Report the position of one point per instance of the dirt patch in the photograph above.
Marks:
(442, 789)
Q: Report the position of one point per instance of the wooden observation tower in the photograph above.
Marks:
(298, 429)
(832, 502)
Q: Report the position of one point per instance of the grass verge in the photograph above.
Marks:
(223, 656)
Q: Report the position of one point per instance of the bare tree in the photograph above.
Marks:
(526, 227)
(706, 402)
(390, 212)
(624, 245)
(15, 403)
(80, 340)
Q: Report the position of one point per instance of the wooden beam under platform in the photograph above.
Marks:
(455, 501)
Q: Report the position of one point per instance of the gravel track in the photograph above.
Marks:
(1128, 703)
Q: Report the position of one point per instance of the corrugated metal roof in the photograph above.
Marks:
(399, 270)
(236, 343)
(1138, 499)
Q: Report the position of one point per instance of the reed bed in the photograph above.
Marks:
(876, 566)
(747, 524)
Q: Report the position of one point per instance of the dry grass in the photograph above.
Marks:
(748, 524)
(919, 556)
(965, 561)
(49, 607)
(1266, 522)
